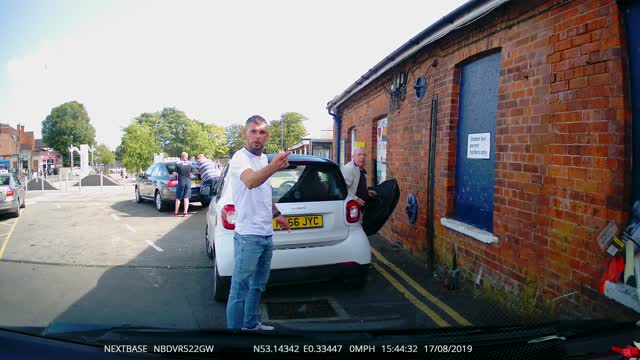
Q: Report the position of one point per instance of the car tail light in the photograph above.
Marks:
(353, 211)
(172, 183)
(9, 193)
(229, 217)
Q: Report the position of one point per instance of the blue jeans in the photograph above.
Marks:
(208, 182)
(252, 254)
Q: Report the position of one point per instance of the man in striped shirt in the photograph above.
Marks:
(207, 169)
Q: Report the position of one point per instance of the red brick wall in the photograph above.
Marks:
(561, 166)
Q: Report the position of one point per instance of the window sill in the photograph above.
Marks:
(474, 232)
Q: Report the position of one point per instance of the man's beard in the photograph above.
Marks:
(256, 152)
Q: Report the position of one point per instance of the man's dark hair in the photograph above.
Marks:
(255, 119)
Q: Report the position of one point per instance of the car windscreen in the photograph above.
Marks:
(307, 182)
(171, 167)
(4, 180)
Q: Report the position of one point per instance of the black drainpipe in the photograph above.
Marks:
(338, 120)
(430, 190)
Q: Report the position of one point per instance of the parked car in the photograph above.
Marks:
(157, 183)
(12, 193)
(327, 241)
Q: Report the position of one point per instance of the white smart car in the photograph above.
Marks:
(326, 242)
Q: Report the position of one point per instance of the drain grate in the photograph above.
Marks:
(304, 309)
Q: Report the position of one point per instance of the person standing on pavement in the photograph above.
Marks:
(356, 176)
(250, 172)
(183, 192)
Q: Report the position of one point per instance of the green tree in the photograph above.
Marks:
(158, 126)
(169, 127)
(139, 144)
(207, 139)
(177, 124)
(66, 125)
(294, 131)
(235, 140)
(119, 152)
(104, 156)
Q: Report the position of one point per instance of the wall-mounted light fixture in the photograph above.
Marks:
(398, 89)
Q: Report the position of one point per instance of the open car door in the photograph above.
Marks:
(378, 208)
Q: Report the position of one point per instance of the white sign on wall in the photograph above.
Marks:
(479, 146)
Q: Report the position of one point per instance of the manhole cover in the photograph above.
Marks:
(307, 309)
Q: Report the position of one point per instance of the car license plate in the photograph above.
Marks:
(301, 222)
(197, 182)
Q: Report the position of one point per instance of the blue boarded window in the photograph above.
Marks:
(632, 21)
(475, 160)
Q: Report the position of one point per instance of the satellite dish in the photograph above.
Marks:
(420, 87)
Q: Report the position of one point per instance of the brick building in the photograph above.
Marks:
(521, 112)
(19, 149)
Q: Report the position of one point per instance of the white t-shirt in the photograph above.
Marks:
(253, 207)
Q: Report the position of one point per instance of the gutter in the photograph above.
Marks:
(337, 118)
(458, 18)
(431, 234)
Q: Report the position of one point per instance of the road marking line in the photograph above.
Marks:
(154, 246)
(446, 308)
(6, 241)
(404, 291)
(115, 217)
(6, 223)
(130, 228)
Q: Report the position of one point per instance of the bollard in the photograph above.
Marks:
(60, 181)
(80, 184)
(66, 186)
(42, 184)
(101, 180)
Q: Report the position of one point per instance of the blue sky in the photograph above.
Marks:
(219, 62)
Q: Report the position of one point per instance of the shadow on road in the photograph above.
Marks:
(131, 209)
(168, 288)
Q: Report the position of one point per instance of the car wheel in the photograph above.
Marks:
(207, 244)
(160, 205)
(220, 289)
(358, 281)
(138, 197)
(205, 203)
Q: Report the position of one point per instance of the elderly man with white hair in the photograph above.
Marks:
(356, 176)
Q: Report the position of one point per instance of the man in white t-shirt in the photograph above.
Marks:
(249, 172)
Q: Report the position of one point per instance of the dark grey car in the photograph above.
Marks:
(12, 194)
(158, 184)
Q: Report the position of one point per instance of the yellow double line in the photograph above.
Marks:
(6, 240)
(422, 291)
